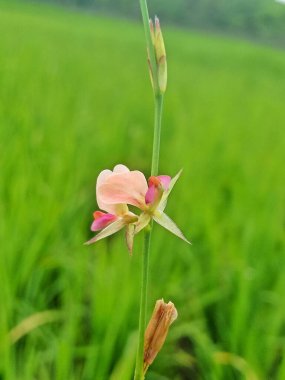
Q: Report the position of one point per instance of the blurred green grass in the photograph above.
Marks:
(75, 98)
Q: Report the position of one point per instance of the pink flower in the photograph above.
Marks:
(130, 187)
(121, 186)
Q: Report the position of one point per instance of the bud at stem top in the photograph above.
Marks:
(160, 55)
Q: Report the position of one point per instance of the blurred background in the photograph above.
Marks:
(75, 98)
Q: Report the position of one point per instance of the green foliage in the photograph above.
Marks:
(75, 98)
(262, 19)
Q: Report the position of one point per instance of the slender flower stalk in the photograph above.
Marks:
(156, 134)
(139, 371)
(158, 97)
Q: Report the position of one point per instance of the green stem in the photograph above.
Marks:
(139, 375)
(139, 372)
(156, 135)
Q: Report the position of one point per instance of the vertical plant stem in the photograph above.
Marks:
(139, 372)
(156, 134)
(139, 375)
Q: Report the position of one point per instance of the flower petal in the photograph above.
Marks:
(98, 214)
(121, 169)
(100, 180)
(165, 180)
(143, 221)
(163, 201)
(110, 208)
(102, 220)
(151, 194)
(129, 187)
(168, 223)
(103, 176)
(109, 230)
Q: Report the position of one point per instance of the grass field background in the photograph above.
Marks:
(75, 99)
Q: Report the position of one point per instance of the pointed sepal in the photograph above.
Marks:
(165, 195)
(109, 230)
(164, 220)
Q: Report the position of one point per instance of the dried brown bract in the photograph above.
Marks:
(162, 317)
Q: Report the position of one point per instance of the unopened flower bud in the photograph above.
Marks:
(160, 56)
(151, 27)
(162, 317)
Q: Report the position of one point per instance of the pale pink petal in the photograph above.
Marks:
(167, 223)
(109, 230)
(129, 187)
(102, 221)
(103, 176)
(100, 180)
(121, 169)
(130, 233)
(165, 181)
(142, 222)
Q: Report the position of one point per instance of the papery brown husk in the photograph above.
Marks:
(162, 317)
